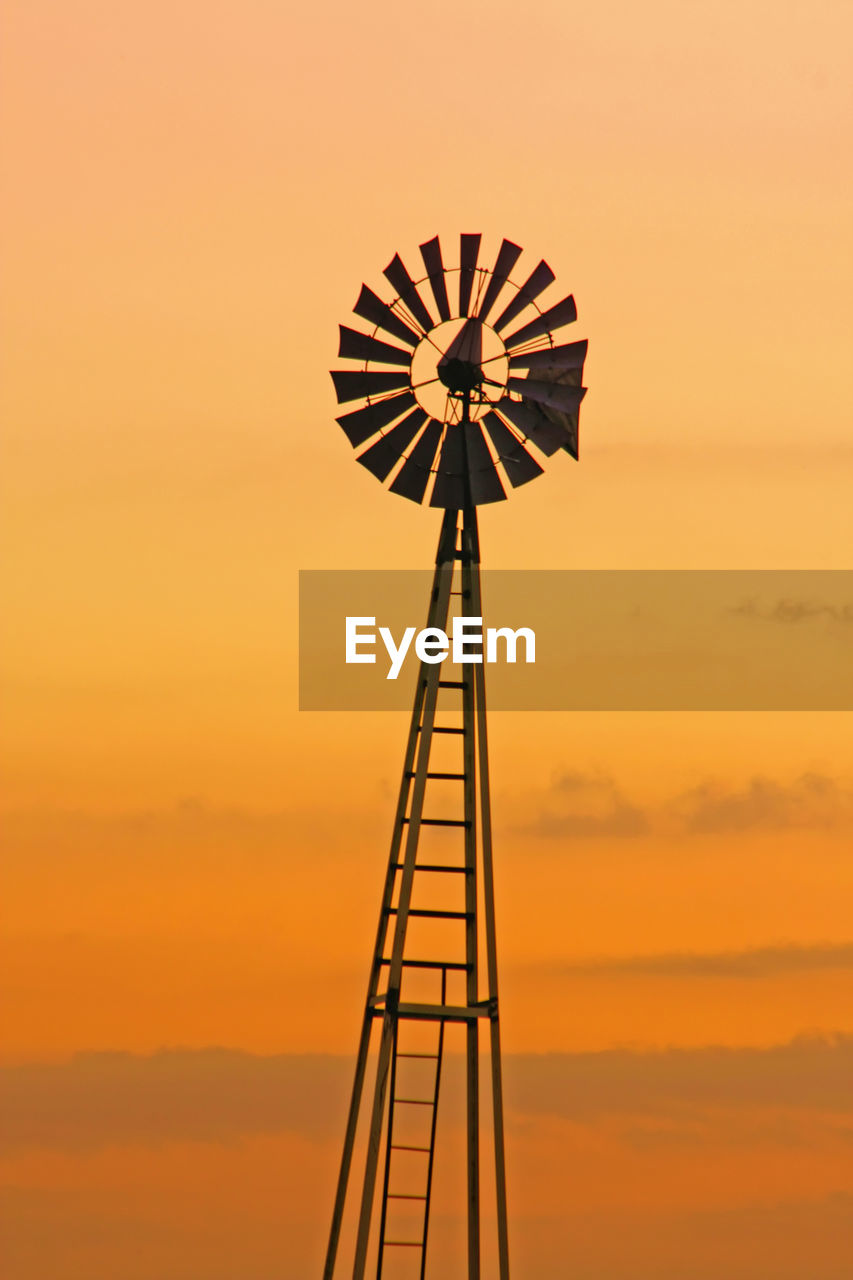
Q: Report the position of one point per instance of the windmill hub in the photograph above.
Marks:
(460, 375)
(459, 357)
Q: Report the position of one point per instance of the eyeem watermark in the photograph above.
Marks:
(464, 644)
(591, 640)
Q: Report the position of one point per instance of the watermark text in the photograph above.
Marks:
(464, 644)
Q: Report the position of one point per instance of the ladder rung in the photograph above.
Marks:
(423, 913)
(446, 777)
(402, 1244)
(416, 1102)
(453, 684)
(440, 728)
(397, 1195)
(441, 822)
(396, 1146)
(433, 866)
(417, 1055)
(429, 964)
(444, 1012)
(436, 866)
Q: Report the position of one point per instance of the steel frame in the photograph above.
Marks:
(458, 546)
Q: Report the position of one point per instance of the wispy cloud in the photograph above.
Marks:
(756, 962)
(807, 1072)
(220, 1095)
(586, 805)
(576, 804)
(812, 801)
(773, 1238)
(790, 610)
(206, 1095)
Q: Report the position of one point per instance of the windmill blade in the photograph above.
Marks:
(465, 453)
(566, 418)
(372, 308)
(469, 249)
(361, 346)
(388, 449)
(566, 377)
(431, 254)
(570, 356)
(555, 376)
(450, 489)
(555, 394)
(536, 425)
(508, 255)
(567, 422)
(412, 479)
(532, 287)
(397, 275)
(563, 313)
(356, 384)
(484, 481)
(517, 462)
(361, 424)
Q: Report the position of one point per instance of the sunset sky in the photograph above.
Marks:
(193, 194)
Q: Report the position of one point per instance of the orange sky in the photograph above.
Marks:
(192, 196)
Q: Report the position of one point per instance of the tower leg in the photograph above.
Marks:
(471, 585)
(472, 1054)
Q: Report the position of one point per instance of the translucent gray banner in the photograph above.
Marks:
(703, 640)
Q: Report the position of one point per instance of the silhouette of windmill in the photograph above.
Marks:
(448, 422)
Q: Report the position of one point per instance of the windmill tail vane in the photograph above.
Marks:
(475, 392)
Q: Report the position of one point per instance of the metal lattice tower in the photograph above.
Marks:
(446, 427)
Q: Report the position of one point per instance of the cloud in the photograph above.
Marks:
(207, 1095)
(808, 1072)
(587, 805)
(191, 821)
(812, 801)
(790, 611)
(780, 1239)
(755, 962)
(103, 1234)
(576, 805)
(97, 1100)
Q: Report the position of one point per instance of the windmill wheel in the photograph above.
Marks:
(447, 414)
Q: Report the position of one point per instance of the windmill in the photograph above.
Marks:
(453, 394)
